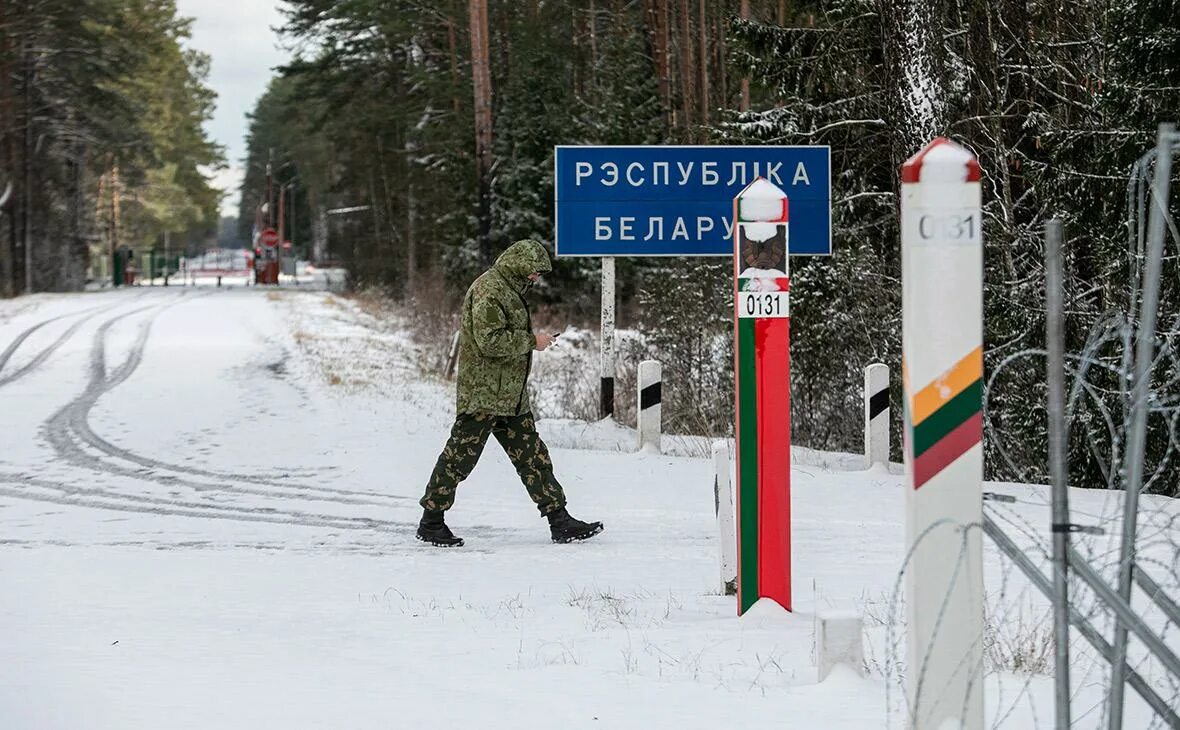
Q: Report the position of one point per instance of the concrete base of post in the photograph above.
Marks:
(838, 641)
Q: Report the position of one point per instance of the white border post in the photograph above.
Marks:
(647, 415)
(876, 415)
(942, 366)
(607, 361)
(723, 507)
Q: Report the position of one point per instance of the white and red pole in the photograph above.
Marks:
(942, 372)
(763, 392)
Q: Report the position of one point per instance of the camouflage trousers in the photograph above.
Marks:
(519, 438)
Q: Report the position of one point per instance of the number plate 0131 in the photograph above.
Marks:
(753, 304)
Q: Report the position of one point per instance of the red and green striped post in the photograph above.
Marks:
(762, 329)
(942, 372)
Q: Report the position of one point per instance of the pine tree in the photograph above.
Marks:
(99, 105)
(1056, 103)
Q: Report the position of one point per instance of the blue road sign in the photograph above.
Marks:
(678, 200)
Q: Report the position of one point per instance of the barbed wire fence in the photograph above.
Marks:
(1127, 373)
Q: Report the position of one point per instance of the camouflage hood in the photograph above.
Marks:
(521, 259)
(496, 338)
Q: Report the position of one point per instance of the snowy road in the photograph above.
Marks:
(207, 501)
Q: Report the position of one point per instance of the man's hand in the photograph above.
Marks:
(544, 341)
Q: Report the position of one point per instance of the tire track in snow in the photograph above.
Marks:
(34, 489)
(42, 356)
(70, 424)
(19, 339)
(101, 384)
(359, 547)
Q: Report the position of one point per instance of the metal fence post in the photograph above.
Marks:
(1082, 623)
(648, 414)
(1126, 615)
(876, 415)
(1058, 443)
(1136, 440)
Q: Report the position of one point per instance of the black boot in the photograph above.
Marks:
(565, 528)
(434, 530)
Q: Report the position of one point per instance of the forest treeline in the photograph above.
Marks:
(101, 143)
(414, 141)
(434, 124)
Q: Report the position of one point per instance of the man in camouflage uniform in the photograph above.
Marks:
(496, 342)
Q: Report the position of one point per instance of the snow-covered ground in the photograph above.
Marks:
(207, 504)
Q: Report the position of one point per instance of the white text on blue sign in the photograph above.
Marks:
(668, 200)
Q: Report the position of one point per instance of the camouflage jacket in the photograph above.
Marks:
(496, 339)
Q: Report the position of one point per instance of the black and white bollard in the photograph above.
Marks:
(607, 352)
(876, 415)
(648, 415)
(723, 507)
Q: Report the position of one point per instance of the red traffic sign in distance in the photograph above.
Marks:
(269, 237)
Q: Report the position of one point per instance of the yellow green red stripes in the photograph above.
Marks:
(944, 418)
(946, 386)
(941, 422)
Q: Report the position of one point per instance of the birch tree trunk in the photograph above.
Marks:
(914, 56)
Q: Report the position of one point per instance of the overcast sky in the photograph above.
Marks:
(237, 35)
